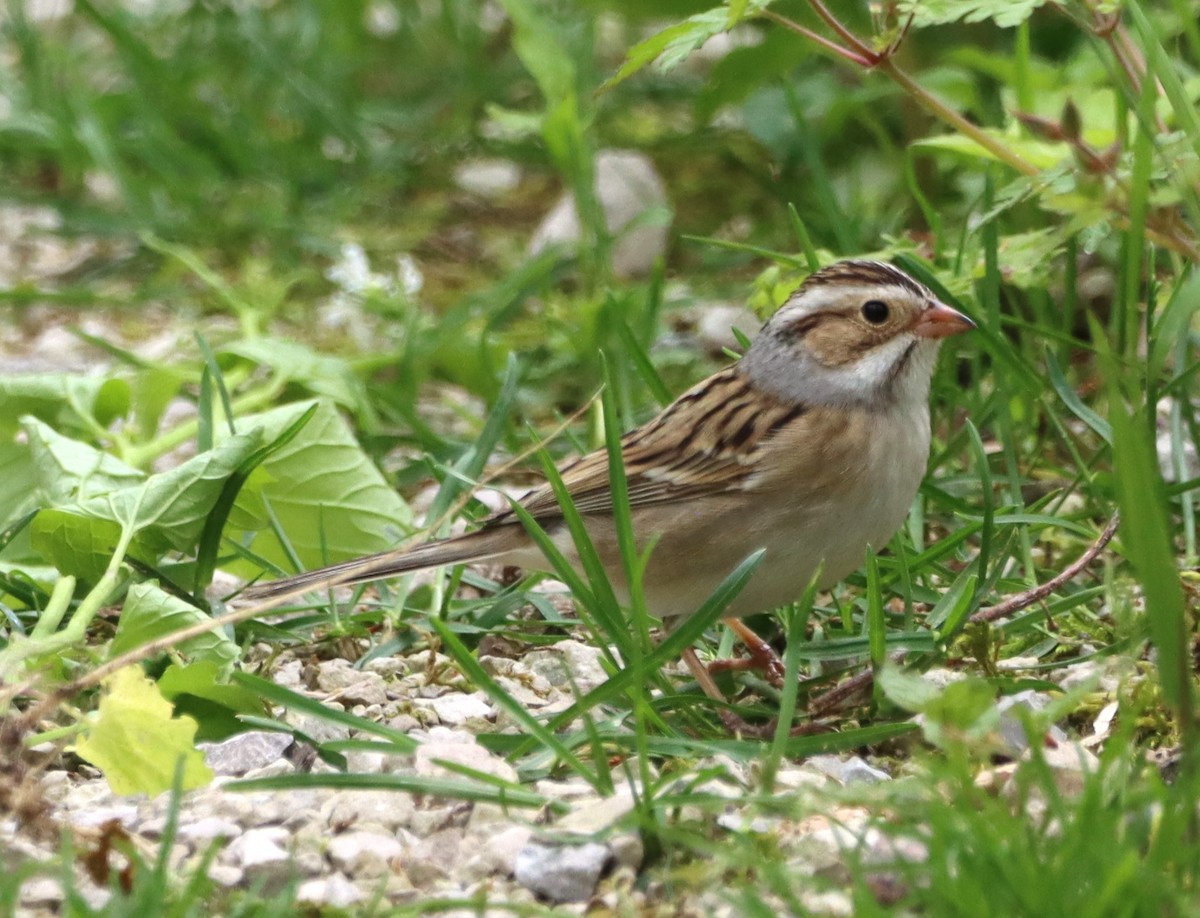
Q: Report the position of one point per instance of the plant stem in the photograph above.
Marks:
(141, 455)
(945, 113)
(832, 46)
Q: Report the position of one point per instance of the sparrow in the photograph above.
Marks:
(811, 447)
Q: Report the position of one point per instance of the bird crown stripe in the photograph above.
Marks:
(865, 272)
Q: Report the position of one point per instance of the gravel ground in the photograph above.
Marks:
(343, 847)
(348, 847)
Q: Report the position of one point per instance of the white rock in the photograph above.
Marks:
(715, 323)
(350, 686)
(364, 854)
(456, 708)
(435, 858)
(627, 850)
(850, 771)
(274, 770)
(880, 848)
(289, 674)
(225, 875)
(470, 755)
(259, 848)
(387, 809)
(125, 814)
(562, 873)
(334, 891)
(245, 752)
(55, 784)
(740, 822)
(89, 795)
(488, 178)
(41, 891)
(1102, 675)
(568, 661)
(499, 851)
(629, 192)
(1011, 730)
(207, 828)
(831, 902)
(798, 776)
(362, 762)
(596, 815)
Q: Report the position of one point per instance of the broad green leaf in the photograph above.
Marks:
(17, 497)
(70, 471)
(79, 545)
(136, 742)
(150, 612)
(541, 49)
(196, 690)
(329, 498)
(905, 689)
(1004, 13)
(963, 710)
(209, 546)
(169, 510)
(153, 389)
(320, 374)
(62, 400)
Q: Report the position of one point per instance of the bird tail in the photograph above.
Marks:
(473, 546)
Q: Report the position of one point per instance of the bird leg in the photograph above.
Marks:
(734, 723)
(763, 657)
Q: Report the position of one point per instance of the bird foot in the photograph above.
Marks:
(762, 656)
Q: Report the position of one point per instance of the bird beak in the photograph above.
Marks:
(940, 321)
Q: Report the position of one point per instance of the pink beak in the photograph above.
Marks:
(940, 321)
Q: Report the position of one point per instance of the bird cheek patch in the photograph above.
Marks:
(837, 342)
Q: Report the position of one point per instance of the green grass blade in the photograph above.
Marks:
(1092, 419)
(447, 788)
(1146, 538)
(470, 465)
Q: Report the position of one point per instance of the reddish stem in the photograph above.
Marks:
(1027, 598)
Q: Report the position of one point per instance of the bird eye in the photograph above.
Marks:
(875, 311)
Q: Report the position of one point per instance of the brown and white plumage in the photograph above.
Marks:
(811, 447)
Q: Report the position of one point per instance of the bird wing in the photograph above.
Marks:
(704, 443)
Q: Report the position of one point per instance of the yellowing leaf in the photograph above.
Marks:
(137, 742)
